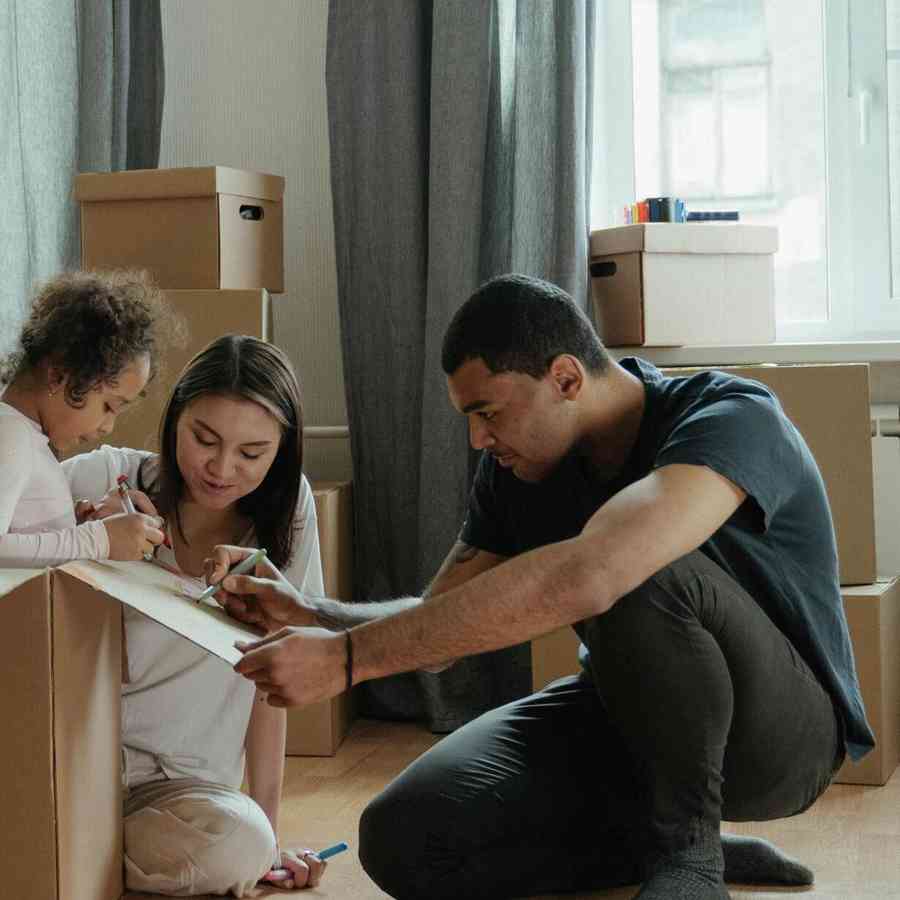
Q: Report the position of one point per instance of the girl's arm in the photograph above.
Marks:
(265, 756)
(37, 548)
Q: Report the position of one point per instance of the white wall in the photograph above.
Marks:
(245, 87)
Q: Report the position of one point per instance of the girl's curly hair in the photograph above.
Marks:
(91, 325)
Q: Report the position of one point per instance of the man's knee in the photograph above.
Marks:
(199, 845)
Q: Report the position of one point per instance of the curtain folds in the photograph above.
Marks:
(460, 149)
(81, 89)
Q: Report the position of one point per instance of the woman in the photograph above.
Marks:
(229, 471)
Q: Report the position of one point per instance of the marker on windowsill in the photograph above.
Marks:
(244, 566)
(276, 875)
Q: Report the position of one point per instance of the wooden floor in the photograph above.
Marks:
(850, 838)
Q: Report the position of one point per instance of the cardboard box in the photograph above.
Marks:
(873, 613)
(318, 730)
(209, 227)
(662, 284)
(60, 783)
(829, 404)
(208, 315)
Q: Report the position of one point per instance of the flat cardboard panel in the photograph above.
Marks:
(156, 593)
(87, 665)
(318, 730)
(208, 315)
(829, 404)
(177, 241)
(873, 613)
(27, 795)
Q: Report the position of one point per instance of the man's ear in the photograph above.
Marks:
(568, 375)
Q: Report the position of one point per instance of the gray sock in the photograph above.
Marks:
(694, 873)
(750, 860)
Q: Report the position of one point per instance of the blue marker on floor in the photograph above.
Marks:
(328, 852)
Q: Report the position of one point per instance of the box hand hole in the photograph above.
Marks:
(253, 213)
(603, 269)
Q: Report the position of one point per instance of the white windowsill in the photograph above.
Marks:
(851, 351)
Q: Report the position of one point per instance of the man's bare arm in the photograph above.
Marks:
(645, 527)
(461, 564)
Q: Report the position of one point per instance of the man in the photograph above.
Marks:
(682, 527)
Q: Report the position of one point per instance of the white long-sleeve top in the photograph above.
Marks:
(37, 513)
(185, 712)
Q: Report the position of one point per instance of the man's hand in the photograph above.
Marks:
(296, 666)
(265, 599)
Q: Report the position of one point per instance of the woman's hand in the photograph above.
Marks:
(299, 869)
(131, 535)
(265, 599)
(112, 505)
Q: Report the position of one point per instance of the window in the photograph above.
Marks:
(786, 111)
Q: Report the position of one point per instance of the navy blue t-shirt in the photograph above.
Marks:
(778, 545)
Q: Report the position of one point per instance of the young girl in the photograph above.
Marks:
(85, 353)
(229, 471)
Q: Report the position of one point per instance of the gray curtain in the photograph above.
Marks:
(460, 148)
(81, 89)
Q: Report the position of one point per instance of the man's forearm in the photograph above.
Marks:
(337, 615)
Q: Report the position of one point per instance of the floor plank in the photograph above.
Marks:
(850, 838)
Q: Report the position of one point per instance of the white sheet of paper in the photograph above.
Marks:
(158, 593)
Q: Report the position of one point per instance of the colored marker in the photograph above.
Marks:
(122, 488)
(276, 875)
(245, 565)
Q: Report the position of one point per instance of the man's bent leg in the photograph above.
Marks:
(534, 797)
(715, 704)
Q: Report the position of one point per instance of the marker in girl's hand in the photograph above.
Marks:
(245, 565)
(123, 488)
(277, 875)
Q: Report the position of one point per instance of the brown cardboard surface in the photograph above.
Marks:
(829, 404)
(61, 836)
(27, 785)
(156, 593)
(185, 226)
(615, 282)
(87, 666)
(553, 655)
(318, 730)
(873, 613)
(208, 315)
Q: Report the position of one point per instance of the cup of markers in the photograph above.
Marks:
(277, 875)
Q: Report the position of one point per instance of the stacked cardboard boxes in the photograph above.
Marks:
(829, 404)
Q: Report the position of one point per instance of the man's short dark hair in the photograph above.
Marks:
(520, 324)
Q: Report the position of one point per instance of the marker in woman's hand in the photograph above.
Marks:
(276, 875)
(245, 565)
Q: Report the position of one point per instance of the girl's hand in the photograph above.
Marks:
(300, 869)
(111, 504)
(131, 535)
(85, 511)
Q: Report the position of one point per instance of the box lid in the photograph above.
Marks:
(10, 579)
(156, 593)
(696, 237)
(204, 181)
